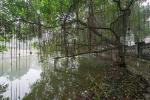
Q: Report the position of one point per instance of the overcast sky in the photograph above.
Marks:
(148, 1)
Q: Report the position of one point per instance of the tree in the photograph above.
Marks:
(77, 27)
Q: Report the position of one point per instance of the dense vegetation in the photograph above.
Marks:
(74, 25)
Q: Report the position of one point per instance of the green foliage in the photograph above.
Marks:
(3, 48)
(139, 23)
(2, 40)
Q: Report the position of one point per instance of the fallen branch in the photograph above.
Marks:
(88, 52)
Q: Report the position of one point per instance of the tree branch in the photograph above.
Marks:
(97, 33)
(83, 53)
(118, 2)
(33, 23)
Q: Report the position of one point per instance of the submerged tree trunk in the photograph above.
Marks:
(120, 26)
(121, 56)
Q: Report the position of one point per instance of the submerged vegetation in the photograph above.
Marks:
(93, 79)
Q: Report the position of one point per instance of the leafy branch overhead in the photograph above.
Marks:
(70, 23)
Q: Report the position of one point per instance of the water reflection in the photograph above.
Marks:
(139, 66)
(93, 79)
(3, 88)
(19, 72)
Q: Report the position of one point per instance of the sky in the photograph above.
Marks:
(145, 3)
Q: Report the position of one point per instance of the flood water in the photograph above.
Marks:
(19, 73)
(30, 76)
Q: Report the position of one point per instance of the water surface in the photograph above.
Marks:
(19, 71)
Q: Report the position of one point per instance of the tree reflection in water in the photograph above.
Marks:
(3, 88)
(92, 80)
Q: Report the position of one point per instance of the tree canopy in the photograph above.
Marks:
(74, 26)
